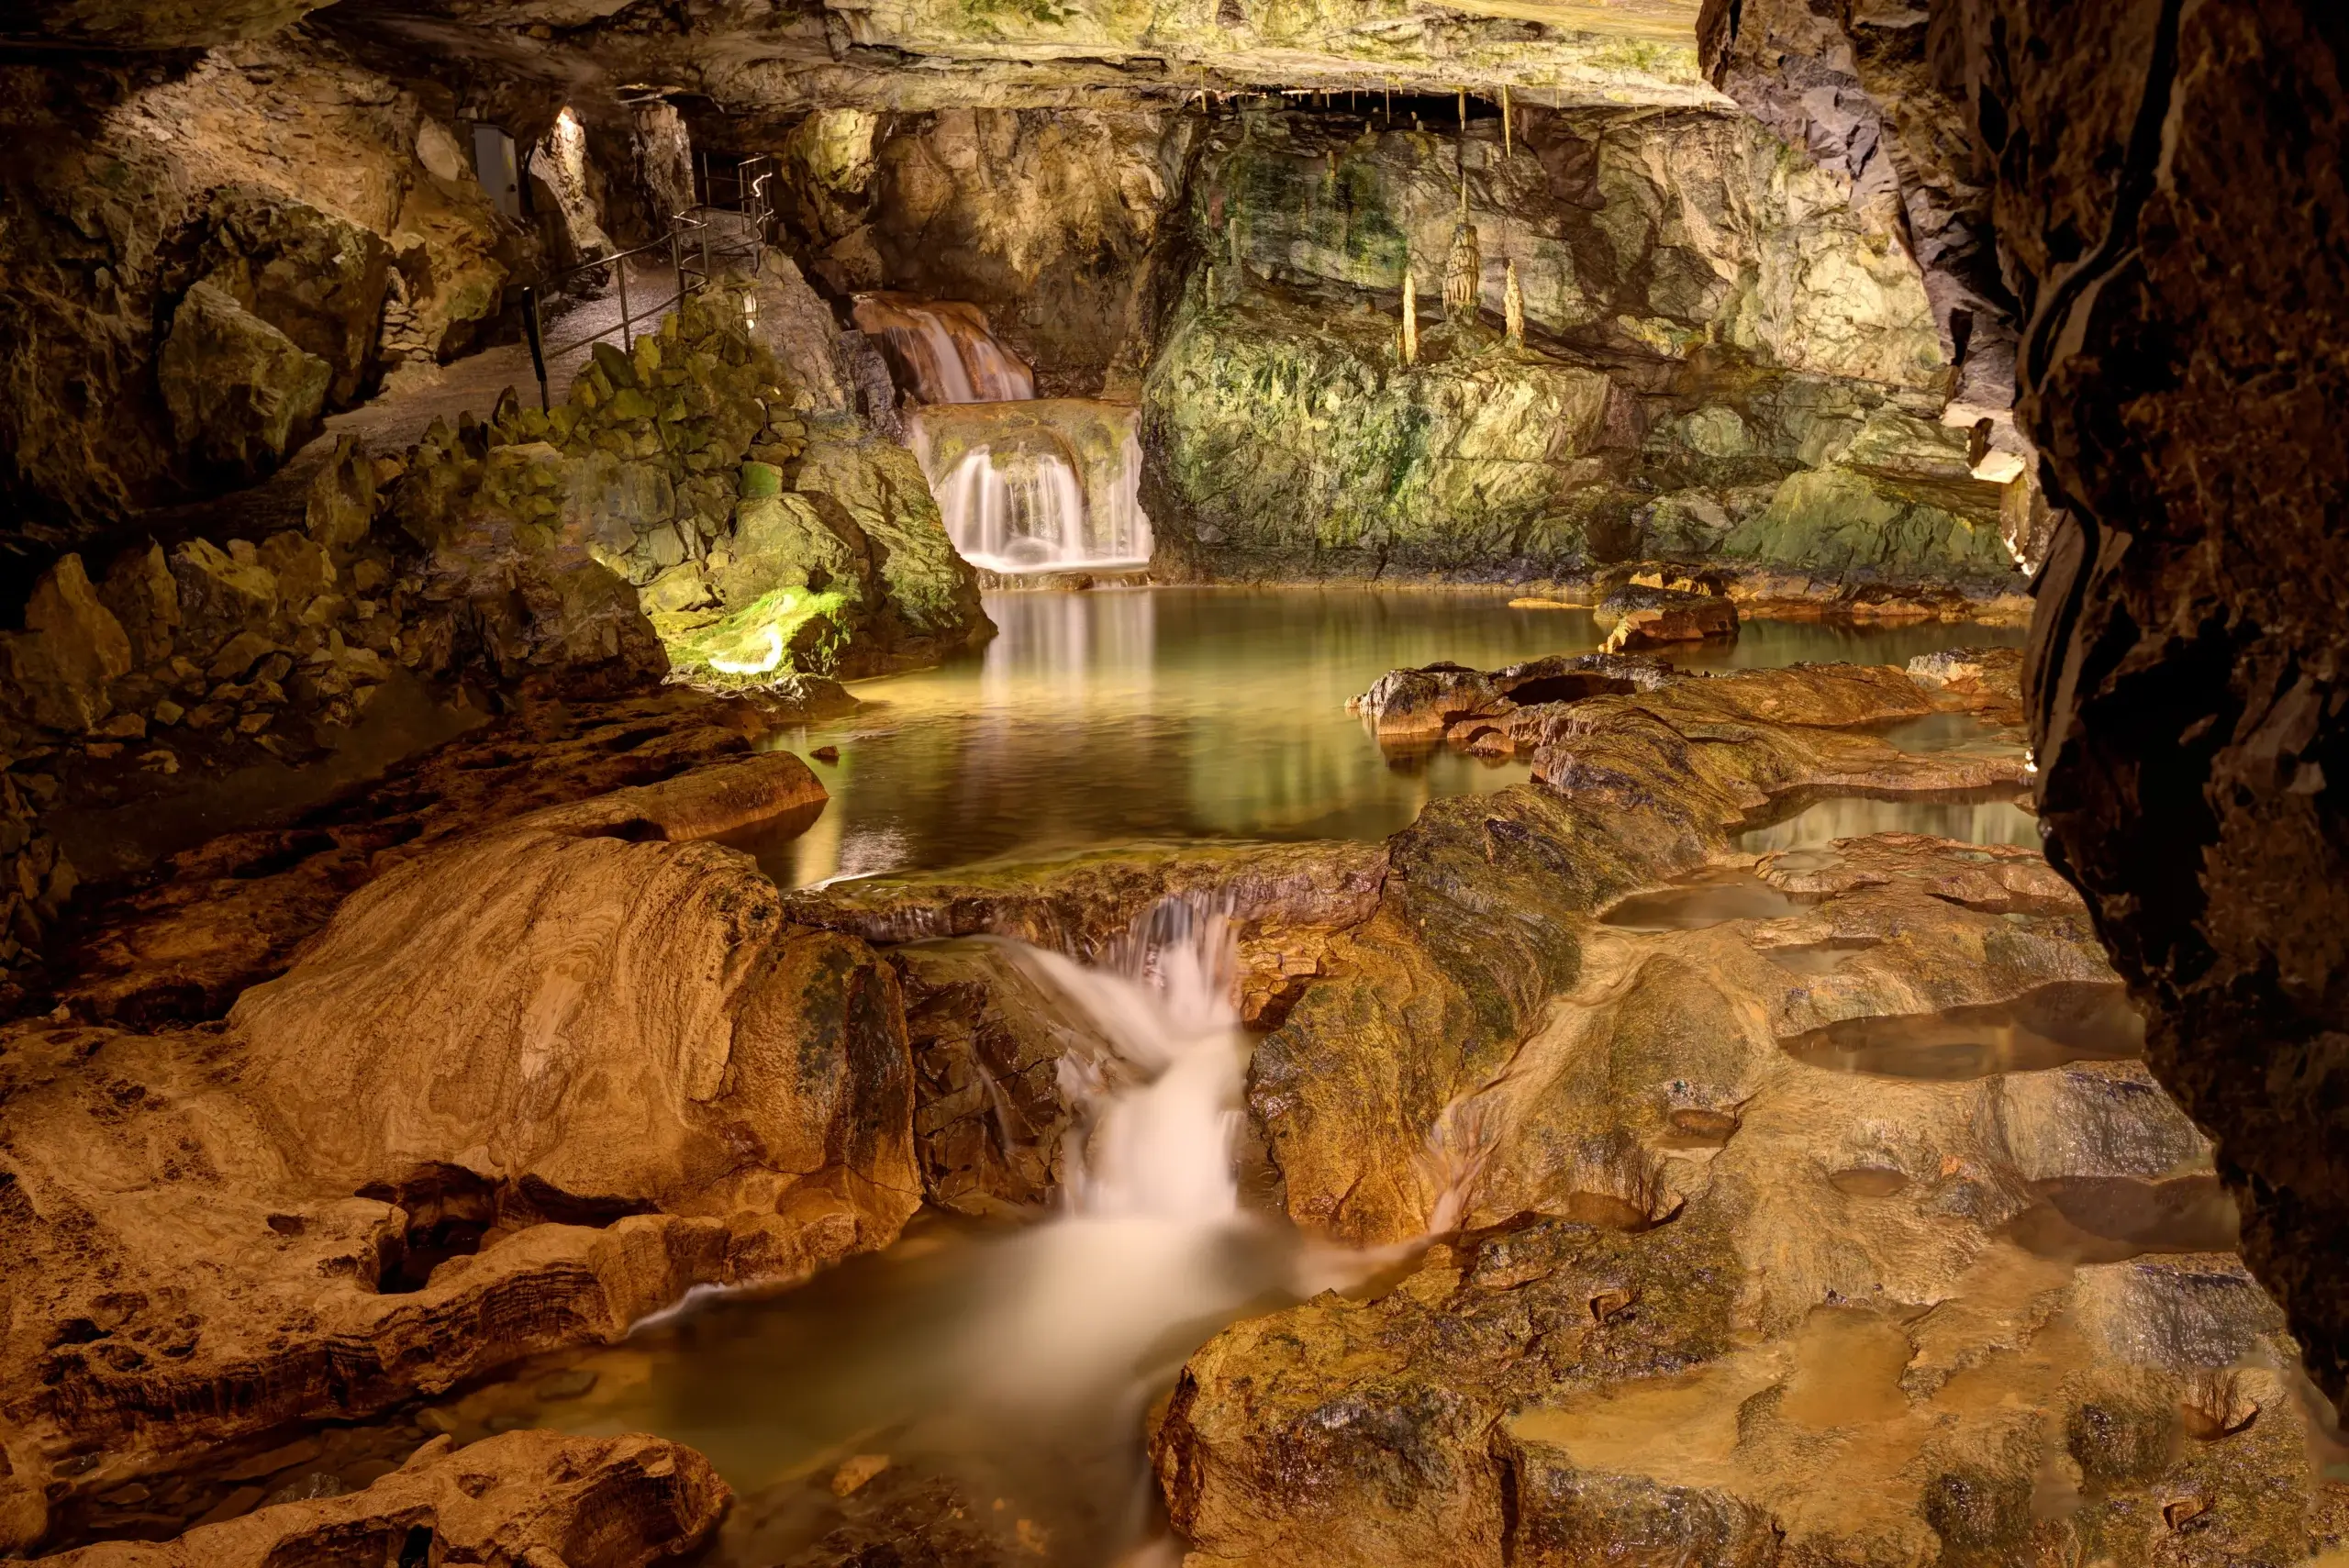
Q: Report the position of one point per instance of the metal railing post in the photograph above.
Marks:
(536, 335)
(677, 257)
(705, 273)
(622, 265)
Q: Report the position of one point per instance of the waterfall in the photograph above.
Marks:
(946, 349)
(1040, 487)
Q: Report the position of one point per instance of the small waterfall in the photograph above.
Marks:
(946, 349)
(1040, 487)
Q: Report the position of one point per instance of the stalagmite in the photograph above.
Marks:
(1411, 317)
(1513, 306)
(1463, 271)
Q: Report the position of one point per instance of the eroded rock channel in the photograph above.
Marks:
(962, 786)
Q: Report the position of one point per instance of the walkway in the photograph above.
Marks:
(395, 420)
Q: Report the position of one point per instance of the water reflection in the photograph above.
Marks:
(1190, 713)
(1973, 821)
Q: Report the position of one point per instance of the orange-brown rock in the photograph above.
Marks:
(519, 1093)
(229, 911)
(522, 1500)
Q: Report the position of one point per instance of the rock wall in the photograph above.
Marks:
(201, 260)
(2165, 184)
(688, 471)
(1725, 359)
(681, 494)
(1048, 219)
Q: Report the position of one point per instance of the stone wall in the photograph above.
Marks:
(1728, 361)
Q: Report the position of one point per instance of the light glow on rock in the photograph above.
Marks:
(759, 666)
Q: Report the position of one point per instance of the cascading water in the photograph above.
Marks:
(946, 349)
(1039, 486)
(1014, 1371)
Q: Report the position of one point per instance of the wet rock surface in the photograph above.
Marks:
(512, 1502)
(2182, 701)
(591, 1067)
(1835, 1220)
(1724, 360)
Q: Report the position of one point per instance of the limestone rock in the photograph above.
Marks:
(663, 1084)
(515, 1500)
(1637, 616)
(221, 593)
(340, 507)
(145, 597)
(791, 323)
(70, 650)
(241, 394)
(1417, 704)
(316, 278)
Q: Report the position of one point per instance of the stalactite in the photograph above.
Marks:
(1464, 269)
(1505, 124)
(1411, 317)
(1513, 306)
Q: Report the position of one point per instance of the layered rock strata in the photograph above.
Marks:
(1808, 1208)
(521, 1501)
(516, 1095)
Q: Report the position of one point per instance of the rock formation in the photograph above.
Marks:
(1731, 363)
(2179, 675)
(545, 1079)
(515, 1501)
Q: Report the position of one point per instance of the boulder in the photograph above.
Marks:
(1637, 616)
(240, 393)
(316, 278)
(72, 649)
(221, 592)
(145, 597)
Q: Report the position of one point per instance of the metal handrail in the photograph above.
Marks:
(690, 280)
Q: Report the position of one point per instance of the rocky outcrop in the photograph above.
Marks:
(514, 1501)
(2182, 696)
(290, 1215)
(1637, 616)
(1050, 220)
(1806, 1208)
(684, 477)
(1727, 362)
(205, 260)
(227, 911)
(992, 1095)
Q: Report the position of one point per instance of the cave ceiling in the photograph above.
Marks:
(757, 59)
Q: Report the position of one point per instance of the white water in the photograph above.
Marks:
(1026, 509)
(949, 350)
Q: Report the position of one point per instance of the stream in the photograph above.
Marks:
(991, 1382)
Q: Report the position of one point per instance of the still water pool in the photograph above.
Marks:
(1196, 712)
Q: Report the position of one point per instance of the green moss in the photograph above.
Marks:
(786, 631)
